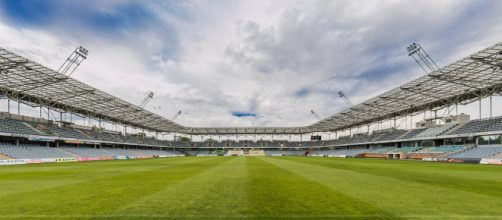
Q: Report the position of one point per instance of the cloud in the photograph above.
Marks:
(275, 59)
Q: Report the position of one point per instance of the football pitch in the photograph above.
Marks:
(251, 187)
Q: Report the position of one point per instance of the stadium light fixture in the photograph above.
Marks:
(73, 61)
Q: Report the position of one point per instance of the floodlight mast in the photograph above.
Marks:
(346, 99)
(146, 100)
(422, 58)
(315, 114)
(73, 61)
(177, 115)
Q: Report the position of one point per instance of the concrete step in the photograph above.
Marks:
(5, 157)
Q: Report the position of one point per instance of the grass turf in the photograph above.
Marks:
(251, 187)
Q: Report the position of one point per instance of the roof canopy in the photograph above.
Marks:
(37, 85)
(463, 81)
(476, 76)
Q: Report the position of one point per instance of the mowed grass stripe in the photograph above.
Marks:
(35, 177)
(401, 197)
(101, 194)
(278, 192)
(455, 176)
(247, 187)
(215, 193)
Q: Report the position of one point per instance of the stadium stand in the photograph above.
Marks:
(478, 152)
(412, 133)
(86, 151)
(68, 132)
(436, 130)
(359, 138)
(255, 152)
(138, 152)
(480, 125)
(106, 136)
(183, 144)
(496, 156)
(247, 143)
(30, 133)
(234, 152)
(5, 157)
(277, 144)
(444, 149)
(133, 139)
(293, 152)
(17, 127)
(437, 152)
(405, 149)
(273, 153)
(205, 153)
(380, 150)
(339, 153)
(30, 151)
(392, 135)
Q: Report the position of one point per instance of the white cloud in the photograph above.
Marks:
(211, 58)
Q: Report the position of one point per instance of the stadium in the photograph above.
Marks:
(70, 149)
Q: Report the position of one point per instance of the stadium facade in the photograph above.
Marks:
(54, 136)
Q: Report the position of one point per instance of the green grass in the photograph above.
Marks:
(251, 187)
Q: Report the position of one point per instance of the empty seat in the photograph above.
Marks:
(478, 152)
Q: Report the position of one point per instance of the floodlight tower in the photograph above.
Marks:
(146, 100)
(346, 99)
(177, 115)
(422, 58)
(73, 61)
(315, 114)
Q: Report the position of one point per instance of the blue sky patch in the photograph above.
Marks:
(29, 12)
(243, 114)
(76, 14)
(302, 92)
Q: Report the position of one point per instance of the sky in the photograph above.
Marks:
(247, 63)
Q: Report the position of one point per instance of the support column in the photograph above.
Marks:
(411, 121)
(491, 106)
(479, 108)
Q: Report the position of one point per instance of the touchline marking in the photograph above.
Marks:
(250, 216)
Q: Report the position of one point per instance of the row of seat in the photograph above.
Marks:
(32, 151)
(17, 127)
(27, 151)
(30, 128)
(478, 152)
(443, 149)
(480, 125)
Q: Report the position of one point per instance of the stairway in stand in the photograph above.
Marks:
(497, 156)
(5, 157)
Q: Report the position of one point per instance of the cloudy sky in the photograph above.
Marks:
(247, 63)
